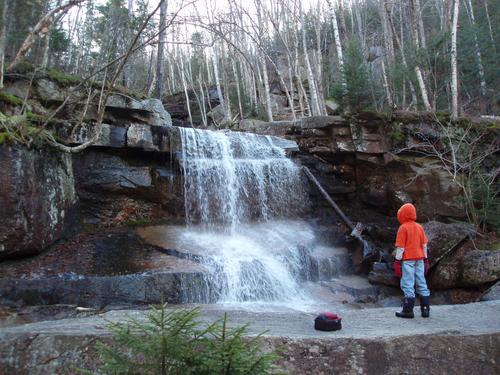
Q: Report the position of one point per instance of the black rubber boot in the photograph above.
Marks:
(424, 307)
(407, 311)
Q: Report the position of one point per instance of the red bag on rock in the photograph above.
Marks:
(328, 321)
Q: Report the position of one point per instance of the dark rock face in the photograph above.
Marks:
(356, 157)
(118, 187)
(97, 270)
(37, 194)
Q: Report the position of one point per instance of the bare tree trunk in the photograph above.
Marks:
(489, 26)
(386, 87)
(184, 86)
(403, 57)
(388, 39)
(238, 91)
(480, 68)
(338, 46)
(420, 22)
(423, 90)
(217, 81)
(3, 38)
(454, 80)
(161, 47)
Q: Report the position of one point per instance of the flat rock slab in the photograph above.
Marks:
(458, 339)
(96, 270)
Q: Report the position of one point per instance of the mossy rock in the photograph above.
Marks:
(10, 99)
(63, 79)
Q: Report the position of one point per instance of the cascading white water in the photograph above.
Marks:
(237, 186)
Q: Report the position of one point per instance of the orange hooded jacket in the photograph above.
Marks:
(411, 236)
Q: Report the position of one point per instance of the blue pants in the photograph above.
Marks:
(414, 276)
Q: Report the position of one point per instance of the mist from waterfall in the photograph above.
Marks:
(239, 188)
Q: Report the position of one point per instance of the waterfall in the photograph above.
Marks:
(239, 188)
(232, 178)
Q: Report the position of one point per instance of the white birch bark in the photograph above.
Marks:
(3, 37)
(454, 80)
(480, 67)
(237, 81)
(423, 90)
(489, 26)
(312, 84)
(338, 46)
(386, 87)
(184, 86)
(218, 84)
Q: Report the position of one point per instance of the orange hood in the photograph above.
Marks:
(406, 213)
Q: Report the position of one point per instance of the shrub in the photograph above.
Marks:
(176, 342)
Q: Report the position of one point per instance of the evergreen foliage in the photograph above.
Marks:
(176, 342)
(355, 95)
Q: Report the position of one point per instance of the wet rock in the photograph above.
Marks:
(99, 270)
(37, 195)
(383, 274)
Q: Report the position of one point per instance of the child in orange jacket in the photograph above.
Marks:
(411, 261)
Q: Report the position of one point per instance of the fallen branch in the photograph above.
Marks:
(329, 199)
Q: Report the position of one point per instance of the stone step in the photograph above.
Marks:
(456, 339)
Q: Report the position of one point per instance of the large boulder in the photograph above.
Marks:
(480, 267)
(37, 194)
(474, 268)
(444, 238)
(155, 106)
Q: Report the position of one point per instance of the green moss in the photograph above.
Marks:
(138, 222)
(443, 117)
(4, 137)
(10, 99)
(63, 78)
(397, 134)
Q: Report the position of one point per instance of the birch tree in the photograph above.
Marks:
(454, 80)
(161, 47)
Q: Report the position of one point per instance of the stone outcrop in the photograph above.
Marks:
(369, 343)
(356, 156)
(474, 268)
(445, 238)
(37, 195)
(116, 188)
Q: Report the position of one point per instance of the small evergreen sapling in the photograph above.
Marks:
(177, 342)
